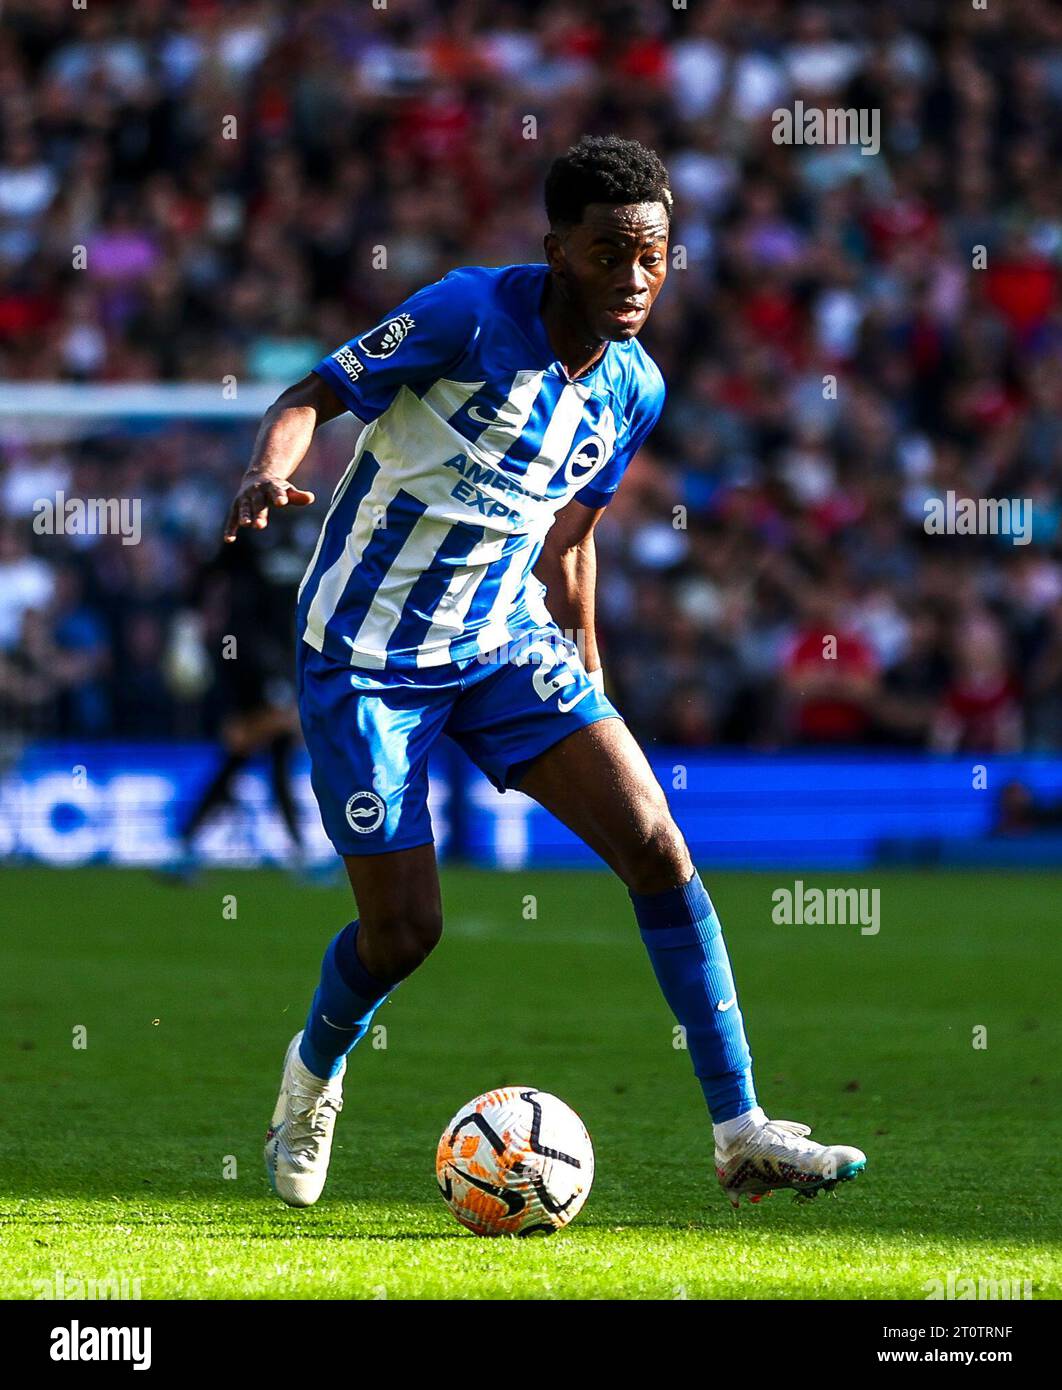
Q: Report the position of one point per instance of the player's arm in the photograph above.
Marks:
(421, 340)
(567, 565)
(283, 438)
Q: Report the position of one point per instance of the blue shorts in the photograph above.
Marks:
(369, 733)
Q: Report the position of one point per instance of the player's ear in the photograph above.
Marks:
(554, 249)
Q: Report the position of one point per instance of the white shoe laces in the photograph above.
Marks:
(311, 1116)
(788, 1134)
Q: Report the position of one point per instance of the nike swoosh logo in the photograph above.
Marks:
(336, 1026)
(565, 705)
(506, 419)
(722, 1008)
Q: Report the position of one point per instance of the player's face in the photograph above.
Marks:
(612, 266)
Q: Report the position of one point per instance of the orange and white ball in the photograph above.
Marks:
(515, 1161)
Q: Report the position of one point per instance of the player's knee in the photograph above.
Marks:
(402, 939)
(656, 857)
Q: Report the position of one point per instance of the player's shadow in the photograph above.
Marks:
(244, 1209)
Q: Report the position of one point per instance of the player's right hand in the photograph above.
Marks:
(258, 492)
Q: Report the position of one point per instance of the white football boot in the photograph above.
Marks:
(779, 1154)
(298, 1141)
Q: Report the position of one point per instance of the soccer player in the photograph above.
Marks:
(501, 408)
(248, 591)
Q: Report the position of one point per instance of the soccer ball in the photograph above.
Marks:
(515, 1162)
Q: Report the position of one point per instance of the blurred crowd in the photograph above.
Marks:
(201, 189)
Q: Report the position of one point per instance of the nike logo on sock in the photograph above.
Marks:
(722, 1008)
(337, 1026)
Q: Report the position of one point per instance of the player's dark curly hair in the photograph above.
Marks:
(604, 169)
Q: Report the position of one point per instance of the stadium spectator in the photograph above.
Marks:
(830, 676)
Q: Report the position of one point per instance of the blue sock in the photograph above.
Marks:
(342, 1008)
(685, 943)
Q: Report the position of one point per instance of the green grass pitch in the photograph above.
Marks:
(114, 1155)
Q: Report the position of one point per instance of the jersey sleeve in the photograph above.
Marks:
(419, 342)
(601, 489)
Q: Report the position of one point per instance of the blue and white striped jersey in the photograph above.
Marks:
(475, 438)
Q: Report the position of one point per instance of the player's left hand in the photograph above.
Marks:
(258, 492)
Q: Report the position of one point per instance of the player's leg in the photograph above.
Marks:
(368, 751)
(240, 738)
(598, 782)
(534, 720)
(280, 749)
(216, 794)
(182, 867)
(399, 923)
